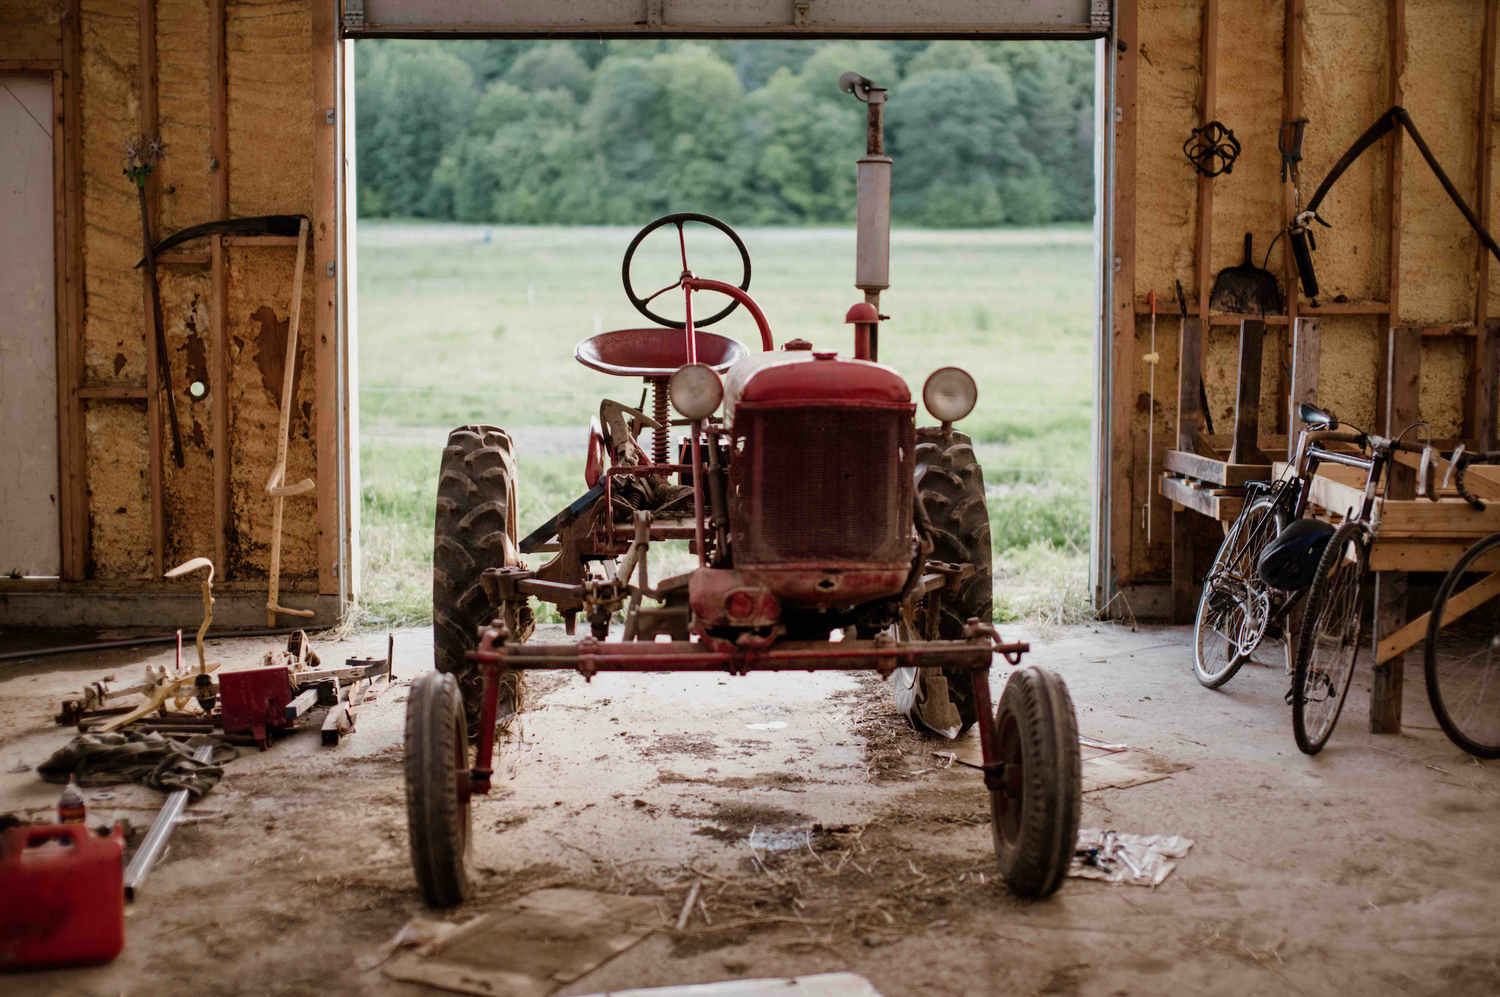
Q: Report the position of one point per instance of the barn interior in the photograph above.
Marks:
(180, 500)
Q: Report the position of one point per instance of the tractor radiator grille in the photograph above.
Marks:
(822, 484)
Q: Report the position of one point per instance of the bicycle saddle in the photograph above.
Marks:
(1314, 416)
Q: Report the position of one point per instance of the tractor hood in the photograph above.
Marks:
(793, 376)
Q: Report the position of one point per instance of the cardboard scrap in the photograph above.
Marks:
(822, 985)
(530, 947)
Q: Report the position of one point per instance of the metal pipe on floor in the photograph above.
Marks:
(161, 829)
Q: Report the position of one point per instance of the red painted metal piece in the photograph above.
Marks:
(593, 466)
(589, 657)
(841, 381)
(818, 485)
(654, 352)
(989, 737)
(831, 583)
(863, 316)
(704, 284)
(722, 597)
(64, 893)
(255, 700)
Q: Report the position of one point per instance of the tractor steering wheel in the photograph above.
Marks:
(677, 219)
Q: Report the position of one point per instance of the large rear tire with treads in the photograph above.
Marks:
(475, 529)
(1036, 807)
(950, 486)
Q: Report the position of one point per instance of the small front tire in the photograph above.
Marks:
(437, 789)
(1037, 806)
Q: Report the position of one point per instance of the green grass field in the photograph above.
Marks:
(468, 324)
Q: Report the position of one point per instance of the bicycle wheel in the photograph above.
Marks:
(1463, 657)
(1331, 636)
(1232, 609)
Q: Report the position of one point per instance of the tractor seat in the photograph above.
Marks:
(655, 352)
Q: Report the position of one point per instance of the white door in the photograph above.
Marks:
(29, 538)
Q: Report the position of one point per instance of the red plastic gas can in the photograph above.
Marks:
(64, 896)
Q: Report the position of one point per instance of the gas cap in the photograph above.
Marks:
(825, 356)
(796, 344)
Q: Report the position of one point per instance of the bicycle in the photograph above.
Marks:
(1461, 657)
(1274, 560)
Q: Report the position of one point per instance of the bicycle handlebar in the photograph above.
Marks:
(1459, 465)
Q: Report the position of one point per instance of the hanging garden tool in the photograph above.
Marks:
(141, 157)
(1151, 358)
(1246, 289)
(1301, 230)
(274, 484)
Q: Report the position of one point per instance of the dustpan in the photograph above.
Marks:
(1246, 289)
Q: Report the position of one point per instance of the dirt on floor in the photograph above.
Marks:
(839, 841)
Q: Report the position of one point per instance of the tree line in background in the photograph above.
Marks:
(754, 132)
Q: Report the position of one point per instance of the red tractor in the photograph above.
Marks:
(831, 532)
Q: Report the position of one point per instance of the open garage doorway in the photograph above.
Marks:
(499, 182)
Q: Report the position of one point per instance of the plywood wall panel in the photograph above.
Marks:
(260, 282)
(1221, 368)
(1445, 368)
(114, 340)
(119, 492)
(1348, 365)
(1165, 186)
(186, 296)
(270, 107)
(1344, 86)
(1442, 94)
(183, 56)
(1249, 102)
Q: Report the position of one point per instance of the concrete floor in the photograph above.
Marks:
(1370, 869)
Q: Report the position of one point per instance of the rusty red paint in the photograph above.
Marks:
(845, 381)
(722, 597)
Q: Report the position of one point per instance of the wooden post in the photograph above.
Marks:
(325, 285)
(218, 310)
(1306, 351)
(1182, 565)
(146, 20)
(1396, 91)
(72, 496)
(1189, 377)
(1246, 448)
(1292, 96)
(1207, 108)
(1403, 376)
(1480, 411)
(1122, 345)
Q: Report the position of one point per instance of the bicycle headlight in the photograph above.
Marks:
(695, 390)
(949, 394)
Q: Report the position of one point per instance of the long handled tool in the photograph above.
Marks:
(141, 160)
(274, 486)
(1151, 358)
(155, 842)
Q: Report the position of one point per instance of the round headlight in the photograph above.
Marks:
(696, 390)
(949, 394)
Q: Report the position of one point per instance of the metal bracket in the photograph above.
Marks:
(1099, 16)
(354, 15)
(799, 14)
